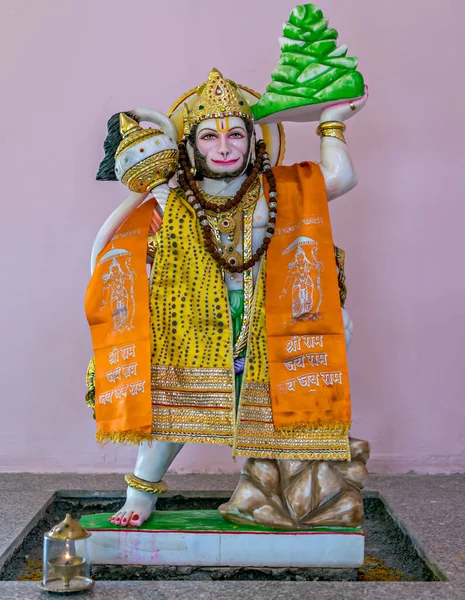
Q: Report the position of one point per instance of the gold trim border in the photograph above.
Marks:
(191, 378)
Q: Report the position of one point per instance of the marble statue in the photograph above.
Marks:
(232, 330)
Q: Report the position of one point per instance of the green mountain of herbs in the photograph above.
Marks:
(312, 68)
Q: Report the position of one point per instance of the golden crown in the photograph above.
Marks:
(216, 98)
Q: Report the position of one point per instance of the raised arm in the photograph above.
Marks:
(335, 162)
(107, 173)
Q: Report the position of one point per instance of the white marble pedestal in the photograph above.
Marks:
(203, 538)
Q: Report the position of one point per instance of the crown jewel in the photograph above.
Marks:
(216, 98)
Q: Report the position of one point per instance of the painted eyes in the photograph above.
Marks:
(212, 136)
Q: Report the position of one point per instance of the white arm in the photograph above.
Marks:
(114, 221)
(335, 162)
(118, 216)
(337, 168)
(164, 123)
(134, 200)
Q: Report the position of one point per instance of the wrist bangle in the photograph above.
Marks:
(330, 125)
(332, 129)
(335, 133)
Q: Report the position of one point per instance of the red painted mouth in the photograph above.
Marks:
(225, 163)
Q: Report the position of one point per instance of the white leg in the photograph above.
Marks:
(348, 327)
(152, 463)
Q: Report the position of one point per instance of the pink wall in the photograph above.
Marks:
(67, 65)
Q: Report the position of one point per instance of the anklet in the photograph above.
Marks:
(156, 487)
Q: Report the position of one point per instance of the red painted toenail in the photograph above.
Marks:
(135, 516)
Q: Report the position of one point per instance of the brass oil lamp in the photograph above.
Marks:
(66, 564)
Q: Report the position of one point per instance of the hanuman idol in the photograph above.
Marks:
(216, 299)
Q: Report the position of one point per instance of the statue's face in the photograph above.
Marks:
(222, 147)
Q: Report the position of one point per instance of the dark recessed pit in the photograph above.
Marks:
(390, 552)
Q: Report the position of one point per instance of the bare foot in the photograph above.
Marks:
(136, 510)
(153, 460)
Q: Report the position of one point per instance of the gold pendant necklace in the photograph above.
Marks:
(230, 222)
(233, 222)
(242, 338)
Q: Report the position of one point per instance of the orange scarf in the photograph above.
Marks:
(117, 310)
(305, 333)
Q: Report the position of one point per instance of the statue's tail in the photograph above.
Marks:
(106, 170)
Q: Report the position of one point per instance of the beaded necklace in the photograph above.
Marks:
(197, 200)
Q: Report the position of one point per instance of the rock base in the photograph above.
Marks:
(299, 494)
